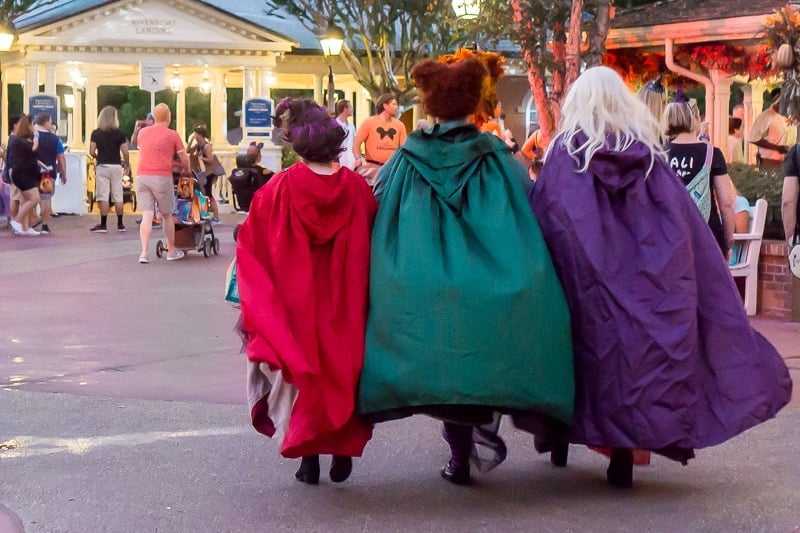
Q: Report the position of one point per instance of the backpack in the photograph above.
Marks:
(700, 186)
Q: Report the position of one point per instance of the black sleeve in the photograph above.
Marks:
(718, 166)
(790, 162)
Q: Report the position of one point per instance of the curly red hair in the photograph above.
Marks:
(450, 91)
(493, 62)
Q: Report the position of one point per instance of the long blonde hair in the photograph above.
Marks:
(599, 106)
(108, 119)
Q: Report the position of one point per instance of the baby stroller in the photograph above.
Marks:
(193, 229)
(245, 180)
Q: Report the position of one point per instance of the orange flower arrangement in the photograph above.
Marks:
(783, 26)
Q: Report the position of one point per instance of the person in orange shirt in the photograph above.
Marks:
(381, 134)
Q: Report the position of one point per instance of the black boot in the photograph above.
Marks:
(559, 453)
(459, 437)
(341, 466)
(457, 475)
(620, 468)
(309, 470)
(558, 450)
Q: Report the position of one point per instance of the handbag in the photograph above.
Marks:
(231, 287)
(794, 260)
(46, 184)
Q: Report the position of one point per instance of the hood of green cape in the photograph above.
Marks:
(447, 155)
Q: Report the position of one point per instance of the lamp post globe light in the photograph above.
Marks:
(331, 42)
(466, 9)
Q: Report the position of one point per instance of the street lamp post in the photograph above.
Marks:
(6, 40)
(331, 41)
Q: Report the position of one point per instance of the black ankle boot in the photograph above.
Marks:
(558, 450)
(309, 470)
(341, 466)
(559, 454)
(457, 475)
(620, 468)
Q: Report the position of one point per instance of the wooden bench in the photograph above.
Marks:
(744, 254)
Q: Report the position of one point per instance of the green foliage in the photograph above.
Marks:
(383, 40)
(288, 156)
(198, 110)
(753, 183)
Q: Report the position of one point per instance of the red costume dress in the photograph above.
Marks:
(303, 273)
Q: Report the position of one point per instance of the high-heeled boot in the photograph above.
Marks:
(341, 466)
(309, 470)
(620, 468)
(459, 437)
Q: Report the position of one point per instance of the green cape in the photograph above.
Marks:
(465, 308)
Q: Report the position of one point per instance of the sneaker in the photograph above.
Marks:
(30, 231)
(215, 221)
(179, 254)
(99, 229)
(16, 227)
(45, 229)
(143, 259)
(156, 223)
(120, 227)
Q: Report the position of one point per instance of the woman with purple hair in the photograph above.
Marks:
(303, 270)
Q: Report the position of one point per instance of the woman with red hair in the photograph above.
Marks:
(466, 316)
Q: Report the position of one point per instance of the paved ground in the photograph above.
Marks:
(121, 397)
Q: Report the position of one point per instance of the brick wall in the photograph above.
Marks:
(774, 281)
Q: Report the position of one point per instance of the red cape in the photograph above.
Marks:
(303, 275)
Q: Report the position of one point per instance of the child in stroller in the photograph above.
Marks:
(248, 177)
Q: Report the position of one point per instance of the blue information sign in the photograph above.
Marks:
(43, 103)
(258, 113)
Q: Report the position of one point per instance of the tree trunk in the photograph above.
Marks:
(573, 54)
(597, 39)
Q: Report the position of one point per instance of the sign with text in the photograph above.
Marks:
(39, 104)
(258, 113)
(153, 78)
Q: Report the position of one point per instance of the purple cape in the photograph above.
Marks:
(665, 358)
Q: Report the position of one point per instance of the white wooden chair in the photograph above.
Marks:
(744, 255)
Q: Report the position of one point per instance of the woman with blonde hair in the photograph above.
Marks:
(665, 359)
(107, 144)
(702, 169)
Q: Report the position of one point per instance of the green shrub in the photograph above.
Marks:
(288, 156)
(754, 183)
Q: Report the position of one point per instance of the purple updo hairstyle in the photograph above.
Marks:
(311, 131)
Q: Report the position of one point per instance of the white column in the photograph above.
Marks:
(722, 99)
(77, 119)
(50, 80)
(753, 104)
(31, 85)
(3, 106)
(91, 107)
(249, 83)
(264, 85)
(363, 107)
(318, 89)
(180, 112)
(219, 122)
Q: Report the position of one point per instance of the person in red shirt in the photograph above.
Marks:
(157, 146)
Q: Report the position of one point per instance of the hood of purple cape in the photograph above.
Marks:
(665, 358)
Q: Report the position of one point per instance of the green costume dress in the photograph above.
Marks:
(466, 314)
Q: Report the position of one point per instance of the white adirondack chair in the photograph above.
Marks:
(747, 246)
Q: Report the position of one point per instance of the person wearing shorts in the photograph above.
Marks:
(107, 143)
(51, 153)
(157, 146)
